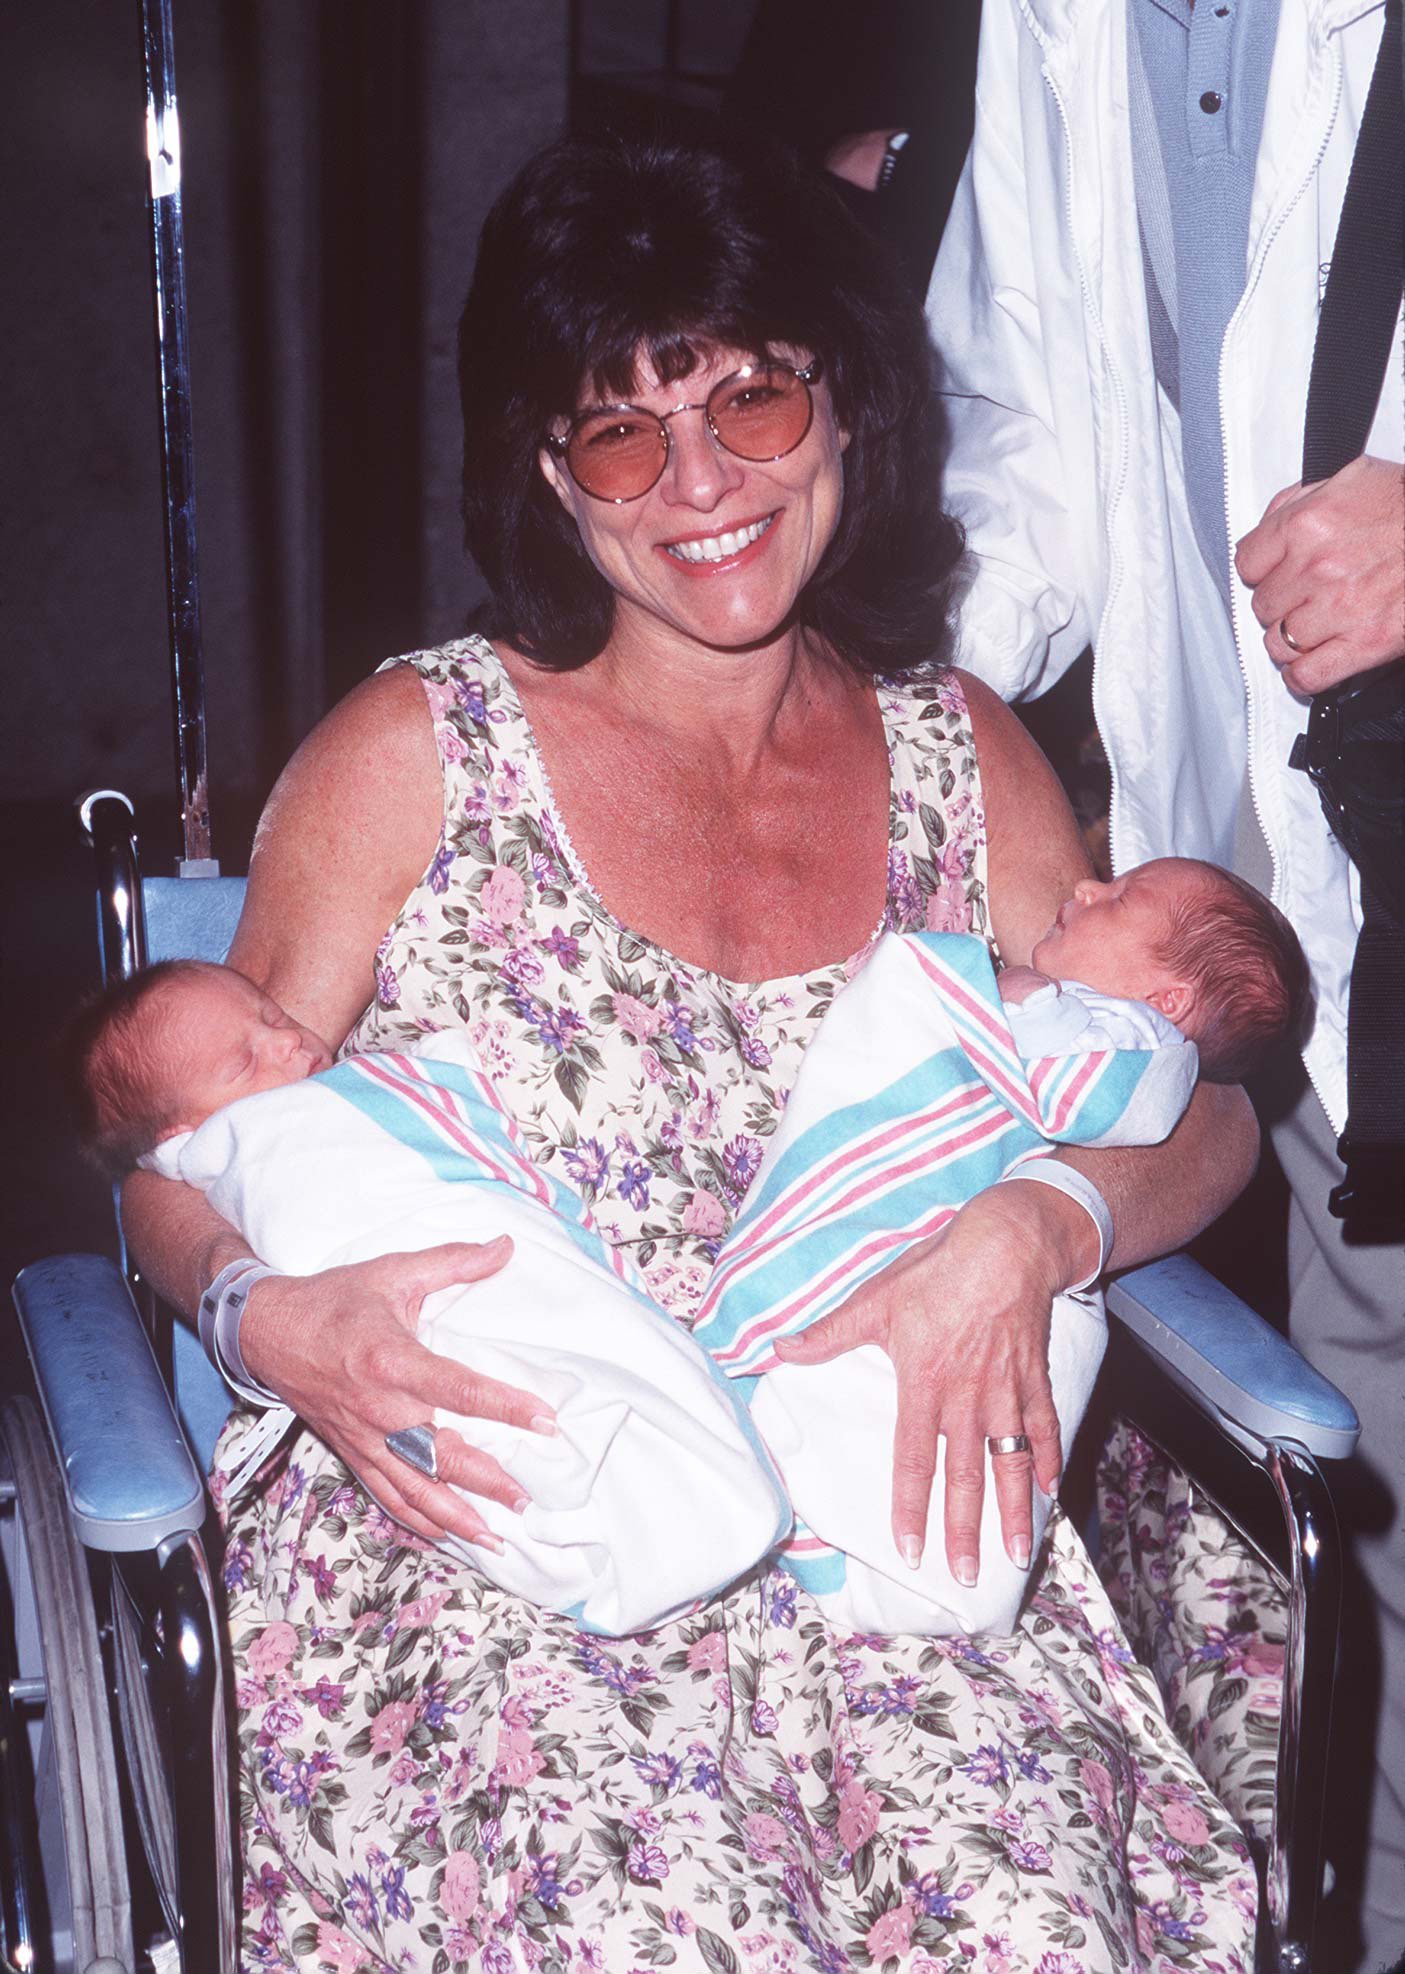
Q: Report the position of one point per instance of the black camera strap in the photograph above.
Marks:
(1354, 748)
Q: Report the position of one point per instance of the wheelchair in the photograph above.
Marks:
(122, 1594)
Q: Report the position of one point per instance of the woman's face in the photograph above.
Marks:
(717, 551)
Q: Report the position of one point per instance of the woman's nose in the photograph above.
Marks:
(699, 470)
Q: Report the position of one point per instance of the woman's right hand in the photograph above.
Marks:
(340, 1348)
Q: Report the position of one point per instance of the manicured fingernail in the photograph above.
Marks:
(1020, 1552)
(549, 1427)
(964, 1570)
(910, 1549)
(521, 1504)
(487, 1541)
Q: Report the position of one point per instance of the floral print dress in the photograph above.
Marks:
(438, 1776)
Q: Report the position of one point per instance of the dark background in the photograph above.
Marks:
(338, 157)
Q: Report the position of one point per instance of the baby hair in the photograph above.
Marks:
(118, 1106)
(1248, 971)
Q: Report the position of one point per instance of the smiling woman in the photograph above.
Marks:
(645, 278)
(632, 848)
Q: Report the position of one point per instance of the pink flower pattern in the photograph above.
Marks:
(457, 1780)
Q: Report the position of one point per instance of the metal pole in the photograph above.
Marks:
(177, 448)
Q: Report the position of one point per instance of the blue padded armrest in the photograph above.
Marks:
(130, 1478)
(1225, 1355)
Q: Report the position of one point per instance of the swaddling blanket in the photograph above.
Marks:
(657, 1491)
(911, 1099)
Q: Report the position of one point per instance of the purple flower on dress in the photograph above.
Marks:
(499, 1958)
(756, 1053)
(556, 1028)
(361, 1901)
(470, 693)
(986, 1765)
(1028, 1857)
(931, 1899)
(397, 1899)
(741, 1161)
(1059, 1962)
(238, 1559)
(545, 1884)
(783, 1589)
(634, 1183)
(588, 1164)
(1030, 1766)
(646, 1864)
(707, 1779)
(660, 1771)
(327, 1696)
(678, 1024)
(764, 1719)
(562, 947)
(387, 987)
(439, 870)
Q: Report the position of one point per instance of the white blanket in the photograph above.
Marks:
(657, 1493)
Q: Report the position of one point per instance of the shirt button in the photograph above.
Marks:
(1210, 102)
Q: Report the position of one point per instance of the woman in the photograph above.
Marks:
(636, 845)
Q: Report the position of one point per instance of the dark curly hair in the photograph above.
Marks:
(603, 248)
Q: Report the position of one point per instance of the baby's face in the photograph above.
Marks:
(1110, 936)
(219, 1037)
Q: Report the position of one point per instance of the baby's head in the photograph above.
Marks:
(1201, 945)
(159, 1052)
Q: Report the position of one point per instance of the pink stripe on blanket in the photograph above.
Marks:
(760, 1237)
(774, 1322)
(1001, 1070)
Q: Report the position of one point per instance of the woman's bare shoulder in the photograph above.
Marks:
(347, 834)
(1035, 854)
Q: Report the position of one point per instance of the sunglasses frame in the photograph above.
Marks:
(559, 443)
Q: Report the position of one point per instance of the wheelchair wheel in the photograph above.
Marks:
(77, 1726)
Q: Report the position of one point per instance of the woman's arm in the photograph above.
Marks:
(347, 834)
(965, 1317)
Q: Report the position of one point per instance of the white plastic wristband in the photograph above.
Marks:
(1047, 1171)
(221, 1311)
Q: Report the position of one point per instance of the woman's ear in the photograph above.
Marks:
(556, 478)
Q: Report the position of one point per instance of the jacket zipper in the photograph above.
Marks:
(1235, 607)
(1119, 479)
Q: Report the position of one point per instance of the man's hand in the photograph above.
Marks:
(1327, 568)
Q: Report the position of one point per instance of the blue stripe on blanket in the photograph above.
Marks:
(394, 1113)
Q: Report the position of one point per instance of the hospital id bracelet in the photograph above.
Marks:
(220, 1314)
(1048, 1171)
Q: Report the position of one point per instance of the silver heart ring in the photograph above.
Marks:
(415, 1444)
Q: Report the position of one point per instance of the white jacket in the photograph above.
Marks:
(1066, 463)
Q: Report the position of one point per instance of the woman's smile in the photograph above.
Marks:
(717, 554)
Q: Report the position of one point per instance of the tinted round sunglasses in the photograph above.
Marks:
(618, 452)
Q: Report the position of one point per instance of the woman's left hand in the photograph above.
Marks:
(965, 1319)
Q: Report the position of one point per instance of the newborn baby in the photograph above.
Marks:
(658, 1490)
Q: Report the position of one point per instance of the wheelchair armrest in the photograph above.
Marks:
(1229, 1360)
(129, 1474)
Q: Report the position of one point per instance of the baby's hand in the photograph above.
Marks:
(1017, 983)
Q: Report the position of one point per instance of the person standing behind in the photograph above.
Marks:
(1125, 304)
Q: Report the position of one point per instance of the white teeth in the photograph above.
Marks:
(716, 548)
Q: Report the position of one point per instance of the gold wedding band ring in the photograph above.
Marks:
(1009, 1443)
(1287, 636)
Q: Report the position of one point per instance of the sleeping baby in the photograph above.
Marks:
(680, 1460)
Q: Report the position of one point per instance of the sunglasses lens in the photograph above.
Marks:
(617, 455)
(761, 414)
